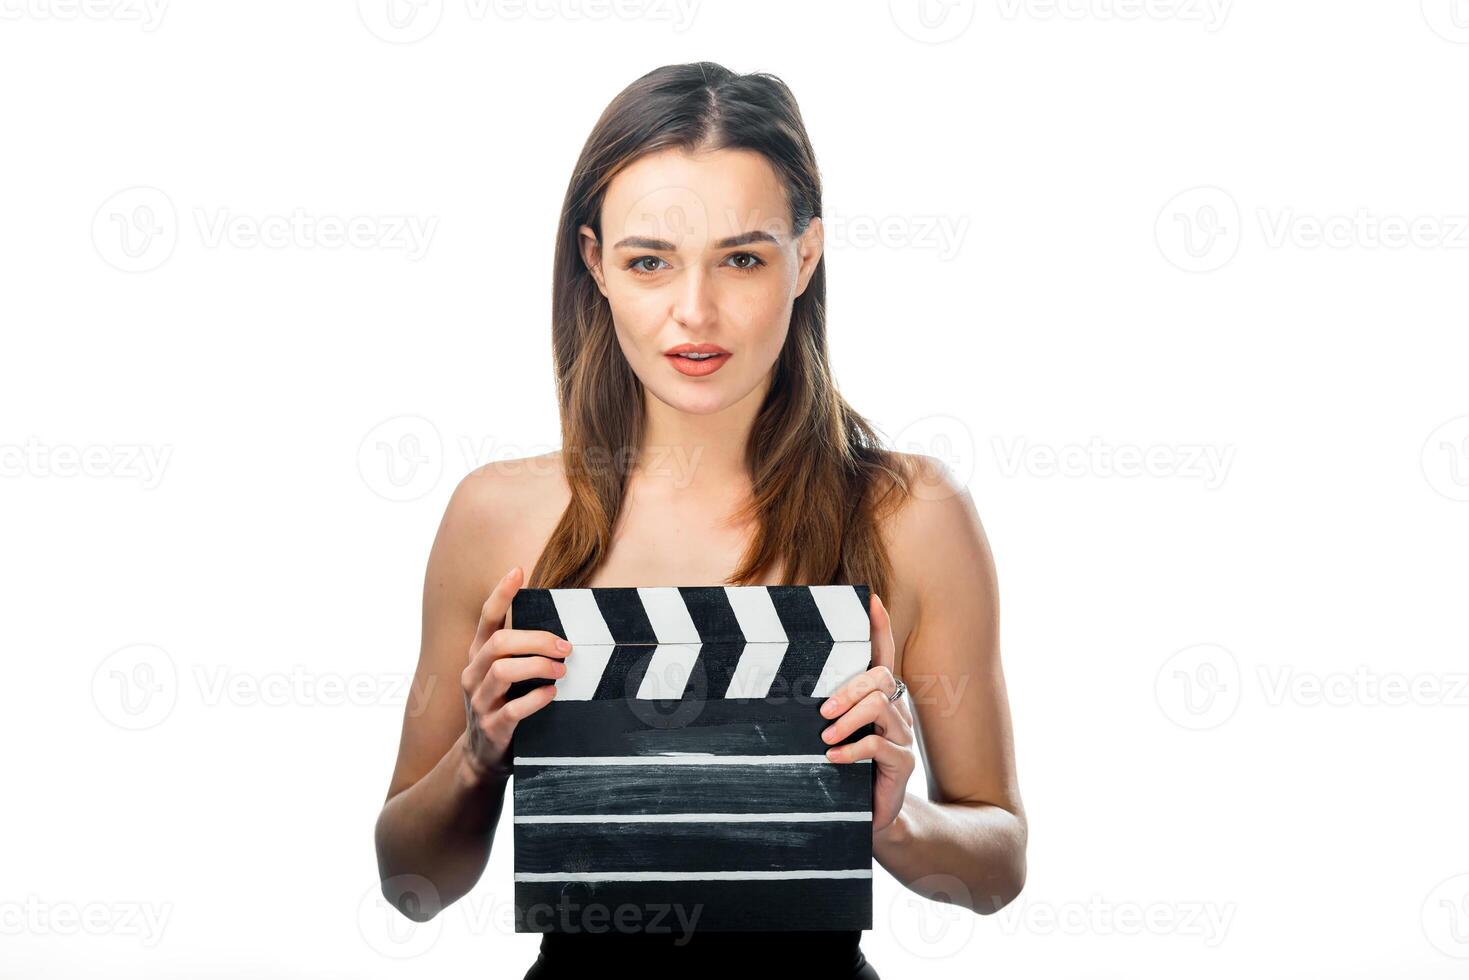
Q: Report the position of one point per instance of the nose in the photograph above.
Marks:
(694, 305)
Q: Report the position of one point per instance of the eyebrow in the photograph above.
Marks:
(661, 245)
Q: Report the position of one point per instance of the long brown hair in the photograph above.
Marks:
(821, 477)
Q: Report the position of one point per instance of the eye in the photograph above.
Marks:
(637, 268)
(755, 261)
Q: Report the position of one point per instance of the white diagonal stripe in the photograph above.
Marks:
(842, 610)
(668, 671)
(855, 816)
(755, 611)
(584, 668)
(847, 659)
(756, 668)
(765, 641)
(580, 616)
(669, 615)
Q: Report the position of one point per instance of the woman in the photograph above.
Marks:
(704, 441)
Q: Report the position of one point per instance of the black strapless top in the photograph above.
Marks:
(833, 955)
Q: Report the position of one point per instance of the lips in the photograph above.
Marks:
(710, 358)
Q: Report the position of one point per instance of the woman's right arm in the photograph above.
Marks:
(448, 786)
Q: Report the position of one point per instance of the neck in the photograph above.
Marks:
(682, 451)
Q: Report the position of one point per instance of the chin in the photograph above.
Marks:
(695, 397)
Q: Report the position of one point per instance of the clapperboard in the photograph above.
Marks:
(682, 761)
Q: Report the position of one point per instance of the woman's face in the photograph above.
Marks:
(697, 252)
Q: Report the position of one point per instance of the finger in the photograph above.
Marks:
(508, 670)
(884, 650)
(502, 723)
(497, 605)
(510, 642)
(883, 752)
(879, 678)
(903, 719)
(505, 643)
(903, 709)
(492, 613)
(874, 708)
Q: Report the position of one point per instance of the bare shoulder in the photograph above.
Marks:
(509, 487)
(500, 514)
(938, 548)
(936, 509)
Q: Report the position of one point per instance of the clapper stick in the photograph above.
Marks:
(681, 763)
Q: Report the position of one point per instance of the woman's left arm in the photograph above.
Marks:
(964, 842)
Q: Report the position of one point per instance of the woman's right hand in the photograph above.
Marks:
(499, 657)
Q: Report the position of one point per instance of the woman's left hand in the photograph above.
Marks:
(864, 699)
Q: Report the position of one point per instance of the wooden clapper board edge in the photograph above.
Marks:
(682, 761)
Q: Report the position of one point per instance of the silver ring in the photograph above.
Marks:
(898, 692)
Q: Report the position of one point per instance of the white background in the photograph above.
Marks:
(1228, 240)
